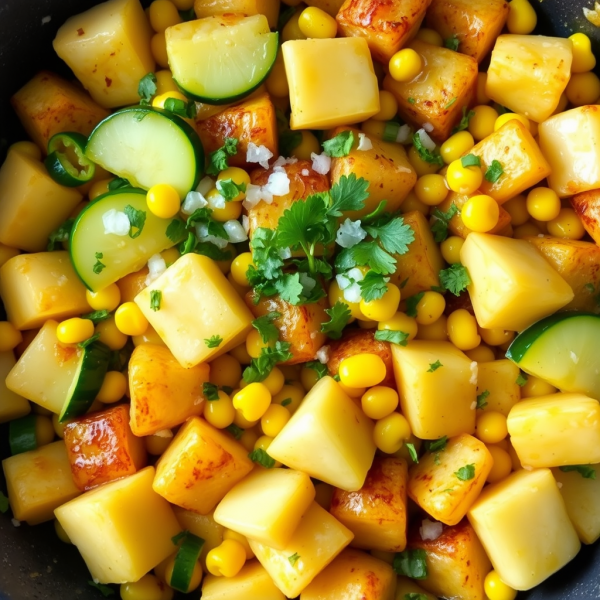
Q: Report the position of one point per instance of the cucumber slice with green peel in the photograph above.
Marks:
(222, 58)
(101, 258)
(90, 373)
(148, 146)
(21, 435)
(563, 350)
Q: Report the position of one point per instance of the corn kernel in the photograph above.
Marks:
(11, 337)
(481, 95)
(583, 88)
(219, 413)
(238, 176)
(158, 48)
(455, 146)
(526, 230)
(274, 381)
(431, 189)
(99, 188)
(240, 353)
(110, 334)
(481, 124)
(430, 36)
(379, 402)
(405, 65)
(480, 213)
(316, 23)
(44, 430)
(421, 167)
(495, 588)
(239, 418)
(430, 308)
(521, 19)
(463, 180)
(113, 387)
(309, 378)
(509, 116)
(337, 295)
(74, 331)
(481, 354)
(277, 84)
(566, 225)
(496, 337)
(390, 433)
(352, 392)
(163, 200)
(239, 268)
(249, 438)
(536, 387)
(157, 443)
(225, 370)
(165, 82)
(274, 419)
(411, 202)
(543, 204)
(517, 209)
(383, 308)
(400, 322)
(583, 57)
(502, 464)
(163, 14)
(242, 539)
(291, 30)
(106, 299)
(253, 401)
(362, 370)
(231, 210)
(491, 427)
(388, 106)
(450, 249)
(462, 329)
(59, 428)
(130, 320)
(438, 330)
(307, 146)
(255, 344)
(227, 559)
(290, 396)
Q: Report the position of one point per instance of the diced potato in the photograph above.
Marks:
(45, 371)
(456, 562)
(163, 394)
(32, 204)
(360, 341)
(197, 302)
(317, 541)
(108, 49)
(39, 481)
(269, 8)
(267, 505)
(435, 486)
(436, 401)
(524, 527)
(386, 168)
(200, 466)
(299, 326)
(102, 448)
(130, 522)
(582, 501)
(336, 91)
(251, 583)
(42, 286)
(528, 73)
(204, 526)
(521, 159)
(386, 26)
(499, 378)
(252, 120)
(418, 270)
(577, 263)
(437, 95)
(476, 23)
(587, 207)
(406, 586)
(353, 574)
(12, 406)
(376, 514)
(48, 104)
(574, 158)
(328, 437)
(131, 285)
(556, 430)
(331, 7)
(512, 285)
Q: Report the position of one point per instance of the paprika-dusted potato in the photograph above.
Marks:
(587, 207)
(499, 379)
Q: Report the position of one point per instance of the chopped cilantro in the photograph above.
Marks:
(464, 122)
(340, 145)
(137, 219)
(260, 457)
(403, 283)
(293, 558)
(482, 399)
(394, 337)
(373, 286)
(411, 563)
(98, 266)
(395, 236)
(229, 189)
(97, 316)
(260, 367)
(437, 445)
(147, 88)
(339, 315)
(289, 288)
(466, 473)
(212, 251)
(412, 451)
(213, 341)
(348, 193)
(118, 183)
(204, 215)
(415, 596)
(176, 230)
(105, 590)
(426, 155)
(286, 401)
(411, 304)
(455, 278)
(235, 431)
(470, 160)
(189, 244)
(4, 504)
(434, 366)
(494, 171)
(451, 103)
(590, 287)
(60, 235)
(369, 254)
(155, 300)
(185, 110)
(411, 100)
(586, 471)
(317, 366)
(452, 43)
(266, 328)
(289, 140)
(217, 160)
(210, 391)
(439, 227)
(522, 379)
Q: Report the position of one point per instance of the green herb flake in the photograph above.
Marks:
(450, 103)
(4, 504)
(522, 379)
(235, 431)
(466, 473)
(213, 341)
(482, 399)
(97, 316)
(340, 145)
(392, 336)
(317, 366)
(266, 328)
(437, 445)
(348, 193)
(105, 590)
(414, 596)
(60, 235)
(432, 157)
(137, 219)
(411, 100)
(229, 189)
(286, 402)
(98, 266)
(395, 236)
(467, 115)
(185, 110)
(147, 88)
(176, 230)
(590, 287)
(89, 341)
(373, 286)
(260, 457)
(439, 227)
(155, 300)
(455, 278)
(293, 558)
(494, 171)
(452, 43)
(289, 140)
(260, 367)
(470, 160)
(411, 563)
(411, 304)
(210, 391)
(434, 366)
(586, 471)
(118, 183)
(217, 160)
(339, 315)
(412, 451)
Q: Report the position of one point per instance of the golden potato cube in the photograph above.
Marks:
(328, 437)
(499, 378)
(336, 91)
(386, 26)
(131, 285)
(331, 7)
(512, 285)
(456, 562)
(48, 104)
(269, 8)
(386, 168)
(582, 501)
(574, 159)
(437, 95)
(376, 514)
(130, 522)
(353, 574)
(200, 466)
(587, 207)
(251, 583)
(39, 481)
(204, 526)
(406, 586)
(528, 73)
(556, 430)
(42, 286)
(436, 401)
(12, 406)
(434, 483)
(102, 448)
(316, 542)
(163, 394)
(197, 302)
(267, 505)
(476, 23)
(524, 527)
(252, 120)
(108, 49)
(32, 204)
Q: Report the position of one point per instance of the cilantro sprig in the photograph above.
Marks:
(340, 145)
(432, 157)
(260, 367)
(455, 278)
(441, 221)
(339, 315)
(217, 160)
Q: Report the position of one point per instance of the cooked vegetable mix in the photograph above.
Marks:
(286, 268)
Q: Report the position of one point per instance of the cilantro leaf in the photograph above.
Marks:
(98, 266)
(415, 596)
(137, 219)
(434, 366)
(260, 367)
(411, 100)
(260, 457)
(373, 286)
(105, 590)
(147, 88)
(482, 399)
(439, 227)
(189, 244)
(376, 213)
(395, 236)
(433, 158)
(340, 145)
(293, 558)
(411, 304)
(317, 366)
(235, 431)
(96, 316)
(117, 184)
(464, 122)
(204, 215)
(217, 160)
(4, 504)
(60, 235)
(590, 287)
(155, 300)
(586, 471)
(494, 171)
(210, 391)
(339, 315)
(348, 193)
(214, 341)
(366, 253)
(286, 402)
(412, 451)
(452, 43)
(289, 287)
(302, 223)
(470, 160)
(394, 337)
(176, 230)
(455, 278)
(522, 379)
(212, 251)
(411, 563)
(466, 473)
(185, 110)
(289, 140)
(266, 328)
(451, 102)
(437, 445)
(229, 189)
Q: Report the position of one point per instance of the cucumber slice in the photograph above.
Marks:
(101, 258)
(21, 435)
(87, 381)
(562, 350)
(221, 58)
(147, 146)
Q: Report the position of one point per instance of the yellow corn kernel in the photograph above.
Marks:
(497, 336)
(163, 14)
(307, 146)
(242, 539)
(362, 370)
(309, 378)
(219, 413)
(61, 533)
(390, 433)
(374, 128)
(481, 95)
(106, 299)
(521, 17)
(491, 427)
(383, 308)
(274, 419)
(291, 30)
(99, 188)
(431, 189)
(536, 387)
(430, 36)
(566, 225)
(379, 402)
(28, 148)
(450, 248)
(157, 443)
(59, 428)
(316, 23)
(11, 337)
(430, 308)
(73, 331)
(110, 334)
(411, 202)
(274, 381)
(400, 322)
(194, 581)
(240, 353)
(405, 65)
(337, 295)
(239, 418)
(481, 354)
(163, 200)
(583, 88)
(543, 204)
(130, 320)
(170, 255)
(438, 330)
(583, 57)
(158, 48)
(165, 82)
(238, 176)
(517, 209)
(231, 210)
(388, 106)
(239, 268)
(462, 329)
(352, 392)
(113, 387)
(291, 396)
(227, 559)
(495, 588)
(457, 145)
(263, 442)
(255, 344)
(277, 84)
(252, 401)
(44, 430)
(149, 587)
(225, 370)
(502, 464)
(480, 213)
(249, 438)
(421, 167)
(367, 324)
(463, 180)
(526, 230)
(481, 124)
(506, 117)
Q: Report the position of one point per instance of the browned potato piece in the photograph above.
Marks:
(269, 8)
(386, 26)
(131, 285)
(360, 341)
(437, 96)
(331, 7)
(456, 562)
(48, 104)
(298, 325)
(476, 23)
(252, 120)
(587, 207)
